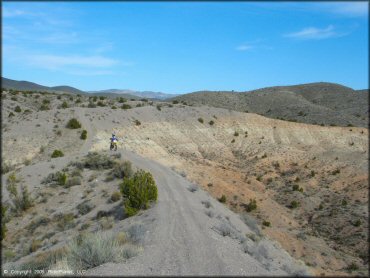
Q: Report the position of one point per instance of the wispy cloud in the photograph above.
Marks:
(60, 38)
(13, 13)
(245, 47)
(59, 61)
(313, 33)
(91, 72)
(258, 43)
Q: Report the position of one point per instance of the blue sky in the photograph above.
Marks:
(180, 47)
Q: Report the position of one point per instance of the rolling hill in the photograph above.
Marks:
(314, 103)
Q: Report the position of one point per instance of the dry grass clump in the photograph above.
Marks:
(96, 161)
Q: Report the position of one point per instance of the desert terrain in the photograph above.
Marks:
(250, 194)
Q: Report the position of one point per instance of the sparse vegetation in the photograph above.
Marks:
(116, 196)
(200, 120)
(17, 109)
(21, 202)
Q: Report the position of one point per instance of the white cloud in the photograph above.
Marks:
(12, 13)
(245, 47)
(59, 61)
(313, 33)
(352, 9)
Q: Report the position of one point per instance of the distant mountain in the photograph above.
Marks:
(140, 94)
(67, 89)
(315, 103)
(7, 83)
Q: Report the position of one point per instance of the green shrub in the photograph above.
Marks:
(64, 105)
(91, 105)
(73, 181)
(59, 97)
(159, 107)
(58, 178)
(251, 206)
(17, 109)
(175, 101)
(211, 122)
(295, 187)
(20, 202)
(357, 223)
(84, 208)
(14, 98)
(46, 101)
(11, 114)
(73, 124)
(65, 221)
(312, 173)
(233, 141)
(137, 122)
(294, 204)
(3, 226)
(125, 106)
(114, 107)
(266, 223)
(83, 135)
(100, 103)
(222, 199)
(122, 100)
(138, 191)
(352, 267)
(200, 120)
(95, 98)
(102, 98)
(44, 107)
(57, 153)
(236, 133)
(337, 171)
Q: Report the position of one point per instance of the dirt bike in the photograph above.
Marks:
(113, 145)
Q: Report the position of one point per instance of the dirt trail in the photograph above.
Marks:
(182, 239)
